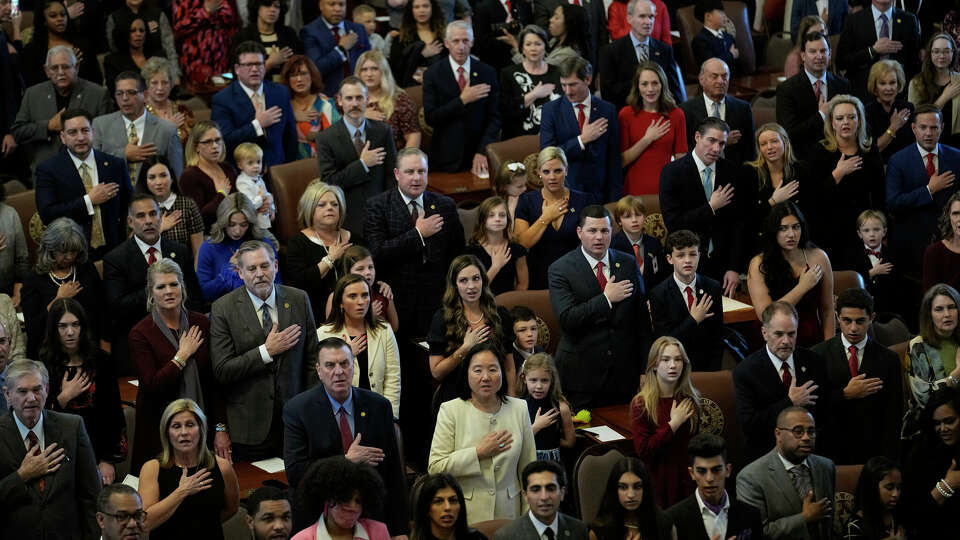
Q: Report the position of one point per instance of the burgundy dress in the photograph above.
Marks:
(663, 452)
(195, 183)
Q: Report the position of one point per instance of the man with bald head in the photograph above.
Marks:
(714, 101)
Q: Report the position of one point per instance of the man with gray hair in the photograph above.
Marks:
(714, 101)
(48, 473)
(38, 123)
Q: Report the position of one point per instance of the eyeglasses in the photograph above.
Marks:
(218, 140)
(128, 93)
(123, 517)
(798, 431)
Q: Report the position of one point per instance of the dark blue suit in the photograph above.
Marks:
(836, 12)
(233, 112)
(320, 46)
(655, 267)
(914, 211)
(597, 169)
(706, 46)
(60, 191)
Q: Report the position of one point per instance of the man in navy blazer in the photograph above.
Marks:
(254, 110)
(713, 41)
(586, 128)
(599, 299)
(334, 44)
(60, 192)
(861, 43)
(915, 198)
(714, 81)
(836, 14)
(460, 101)
(313, 424)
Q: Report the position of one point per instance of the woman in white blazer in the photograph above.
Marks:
(484, 438)
(376, 362)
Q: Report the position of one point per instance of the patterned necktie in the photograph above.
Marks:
(931, 168)
(601, 279)
(581, 117)
(785, 375)
(346, 436)
(97, 238)
(642, 54)
(30, 441)
(358, 142)
(800, 474)
(884, 26)
(818, 90)
(853, 361)
(133, 138)
(875, 253)
(461, 80)
(151, 256)
(267, 319)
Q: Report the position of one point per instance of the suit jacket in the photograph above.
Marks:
(741, 518)
(738, 115)
(684, 205)
(766, 485)
(706, 46)
(870, 426)
(601, 346)
(40, 105)
(251, 386)
(798, 111)
(383, 361)
(233, 111)
(619, 64)
(487, 13)
(760, 395)
(836, 13)
(854, 53)
(415, 268)
(111, 137)
(598, 168)
(60, 192)
(889, 291)
(320, 47)
(311, 433)
(671, 317)
(340, 165)
(67, 506)
(568, 527)
(459, 131)
(655, 267)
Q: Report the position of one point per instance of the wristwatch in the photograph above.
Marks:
(221, 428)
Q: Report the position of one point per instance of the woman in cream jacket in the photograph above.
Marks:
(484, 438)
(376, 362)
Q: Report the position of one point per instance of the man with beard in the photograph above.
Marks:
(269, 515)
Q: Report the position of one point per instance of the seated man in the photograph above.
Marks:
(269, 515)
(806, 511)
(544, 486)
(689, 306)
(712, 512)
(525, 330)
(120, 513)
(713, 41)
(714, 101)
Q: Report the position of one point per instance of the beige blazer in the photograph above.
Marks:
(383, 361)
(491, 486)
(953, 123)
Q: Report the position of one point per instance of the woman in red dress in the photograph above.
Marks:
(652, 130)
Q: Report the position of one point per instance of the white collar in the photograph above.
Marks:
(339, 25)
(358, 531)
(466, 67)
(788, 465)
(167, 204)
(709, 102)
(89, 160)
(847, 344)
(593, 262)
(683, 286)
(717, 33)
(923, 152)
(888, 13)
(726, 503)
(145, 246)
(37, 429)
(270, 301)
(636, 41)
(813, 78)
(540, 526)
(138, 120)
(776, 361)
(250, 92)
(407, 200)
(701, 165)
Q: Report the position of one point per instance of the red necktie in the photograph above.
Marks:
(151, 256)
(785, 375)
(509, 10)
(636, 253)
(336, 42)
(690, 299)
(853, 362)
(581, 118)
(818, 90)
(576, 2)
(346, 436)
(874, 253)
(601, 279)
(461, 80)
(34, 441)
(931, 169)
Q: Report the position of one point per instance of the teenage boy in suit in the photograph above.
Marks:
(630, 214)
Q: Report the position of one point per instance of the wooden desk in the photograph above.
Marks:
(617, 418)
(128, 392)
(250, 477)
(462, 186)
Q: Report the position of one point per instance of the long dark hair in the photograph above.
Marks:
(613, 514)
(142, 187)
(776, 270)
(41, 34)
(338, 318)
(867, 501)
(665, 103)
(575, 24)
(455, 321)
(408, 26)
(123, 21)
(52, 353)
(925, 82)
(421, 517)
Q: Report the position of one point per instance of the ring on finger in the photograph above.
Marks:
(501, 445)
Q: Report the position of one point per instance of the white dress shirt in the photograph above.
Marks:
(137, 124)
(636, 44)
(813, 84)
(586, 116)
(874, 260)
(878, 23)
(92, 169)
(683, 287)
(250, 93)
(701, 166)
(715, 523)
(541, 527)
(593, 267)
(271, 303)
(860, 347)
(777, 362)
(708, 103)
(145, 246)
(37, 430)
(936, 157)
(454, 66)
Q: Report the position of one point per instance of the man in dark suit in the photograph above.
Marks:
(792, 487)
(875, 33)
(263, 343)
(867, 406)
(689, 306)
(630, 215)
(776, 377)
(333, 43)
(336, 419)
(802, 99)
(618, 64)
(598, 297)
(714, 101)
(48, 473)
(713, 41)
(254, 110)
(836, 14)
(920, 180)
(125, 274)
(460, 101)
(413, 234)
(711, 510)
(586, 128)
(544, 486)
(697, 194)
(356, 153)
(87, 186)
(492, 20)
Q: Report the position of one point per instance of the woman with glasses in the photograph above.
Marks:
(204, 29)
(160, 74)
(939, 83)
(312, 109)
(206, 178)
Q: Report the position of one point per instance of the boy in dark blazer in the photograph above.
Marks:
(689, 306)
(875, 263)
(630, 214)
(712, 41)
(526, 331)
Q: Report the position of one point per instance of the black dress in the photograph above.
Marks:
(548, 438)
(515, 82)
(303, 256)
(878, 120)
(925, 465)
(283, 36)
(198, 516)
(406, 57)
(614, 531)
(506, 278)
(554, 243)
(40, 289)
(805, 199)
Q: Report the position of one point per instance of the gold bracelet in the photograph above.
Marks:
(890, 133)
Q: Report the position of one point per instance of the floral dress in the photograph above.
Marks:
(205, 38)
(329, 115)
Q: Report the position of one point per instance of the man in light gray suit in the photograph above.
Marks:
(132, 133)
(38, 125)
(264, 348)
(792, 487)
(544, 486)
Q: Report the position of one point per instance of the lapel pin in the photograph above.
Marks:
(286, 305)
(363, 413)
(475, 73)
(433, 207)
(573, 210)
(617, 265)
(700, 291)
(173, 255)
(105, 164)
(803, 368)
(898, 21)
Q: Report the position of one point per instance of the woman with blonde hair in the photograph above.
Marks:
(187, 491)
(939, 83)
(206, 178)
(665, 416)
(505, 261)
(314, 252)
(387, 102)
(888, 116)
(850, 174)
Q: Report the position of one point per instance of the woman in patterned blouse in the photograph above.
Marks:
(181, 217)
(313, 110)
(204, 29)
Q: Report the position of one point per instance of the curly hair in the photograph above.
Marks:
(613, 514)
(408, 26)
(338, 318)
(51, 352)
(943, 224)
(62, 235)
(41, 34)
(455, 321)
(428, 490)
(336, 480)
(776, 269)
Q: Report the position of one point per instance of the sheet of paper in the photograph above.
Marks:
(605, 433)
(729, 304)
(132, 481)
(134, 382)
(272, 465)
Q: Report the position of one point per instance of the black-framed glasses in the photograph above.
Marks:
(798, 431)
(123, 517)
